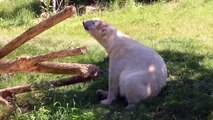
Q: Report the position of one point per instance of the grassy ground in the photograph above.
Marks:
(181, 31)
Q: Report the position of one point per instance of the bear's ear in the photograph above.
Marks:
(104, 30)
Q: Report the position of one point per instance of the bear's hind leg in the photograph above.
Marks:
(135, 92)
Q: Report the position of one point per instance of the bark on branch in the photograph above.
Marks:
(37, 29)
(37, 64)
(83, 70)
(59, 54)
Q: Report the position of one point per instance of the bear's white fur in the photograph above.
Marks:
(136, 72)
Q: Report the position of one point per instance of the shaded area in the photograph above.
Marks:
(89, 95)
(34, 7)
(188, 94)
(106, 2)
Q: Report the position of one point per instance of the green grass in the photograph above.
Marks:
(181, 31)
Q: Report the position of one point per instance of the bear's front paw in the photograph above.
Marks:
(106, 102)
(130, 106)
(102, 94)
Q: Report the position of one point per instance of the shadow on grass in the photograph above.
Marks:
(188, 94)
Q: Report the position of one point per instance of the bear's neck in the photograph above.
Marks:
(116, 42)
(107, 44)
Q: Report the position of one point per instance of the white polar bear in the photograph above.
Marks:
(136, 72)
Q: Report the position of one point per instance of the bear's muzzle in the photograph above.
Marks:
(88, 24)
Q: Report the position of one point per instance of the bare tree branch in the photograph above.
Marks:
(59, 54)
(83, 70)
(34, 64)
(54, 68)
(37, 29)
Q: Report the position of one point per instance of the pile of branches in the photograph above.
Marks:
(41, 64)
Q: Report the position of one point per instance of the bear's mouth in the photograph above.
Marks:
(85, 26)
(88, 24)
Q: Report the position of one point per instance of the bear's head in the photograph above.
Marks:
(100, 30)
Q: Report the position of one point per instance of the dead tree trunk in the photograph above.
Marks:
(57, 5)
(54, 6)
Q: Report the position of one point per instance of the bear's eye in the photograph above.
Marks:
(104, 30)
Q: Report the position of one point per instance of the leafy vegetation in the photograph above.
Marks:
(180, 30)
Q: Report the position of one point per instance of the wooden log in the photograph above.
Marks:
(34, 64)
(83, 70)
(54, 68)
(37, 29)
(7, 95)
(59, 54)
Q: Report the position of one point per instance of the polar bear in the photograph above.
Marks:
(136, 72)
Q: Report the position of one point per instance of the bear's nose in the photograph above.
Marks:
(88, 24)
